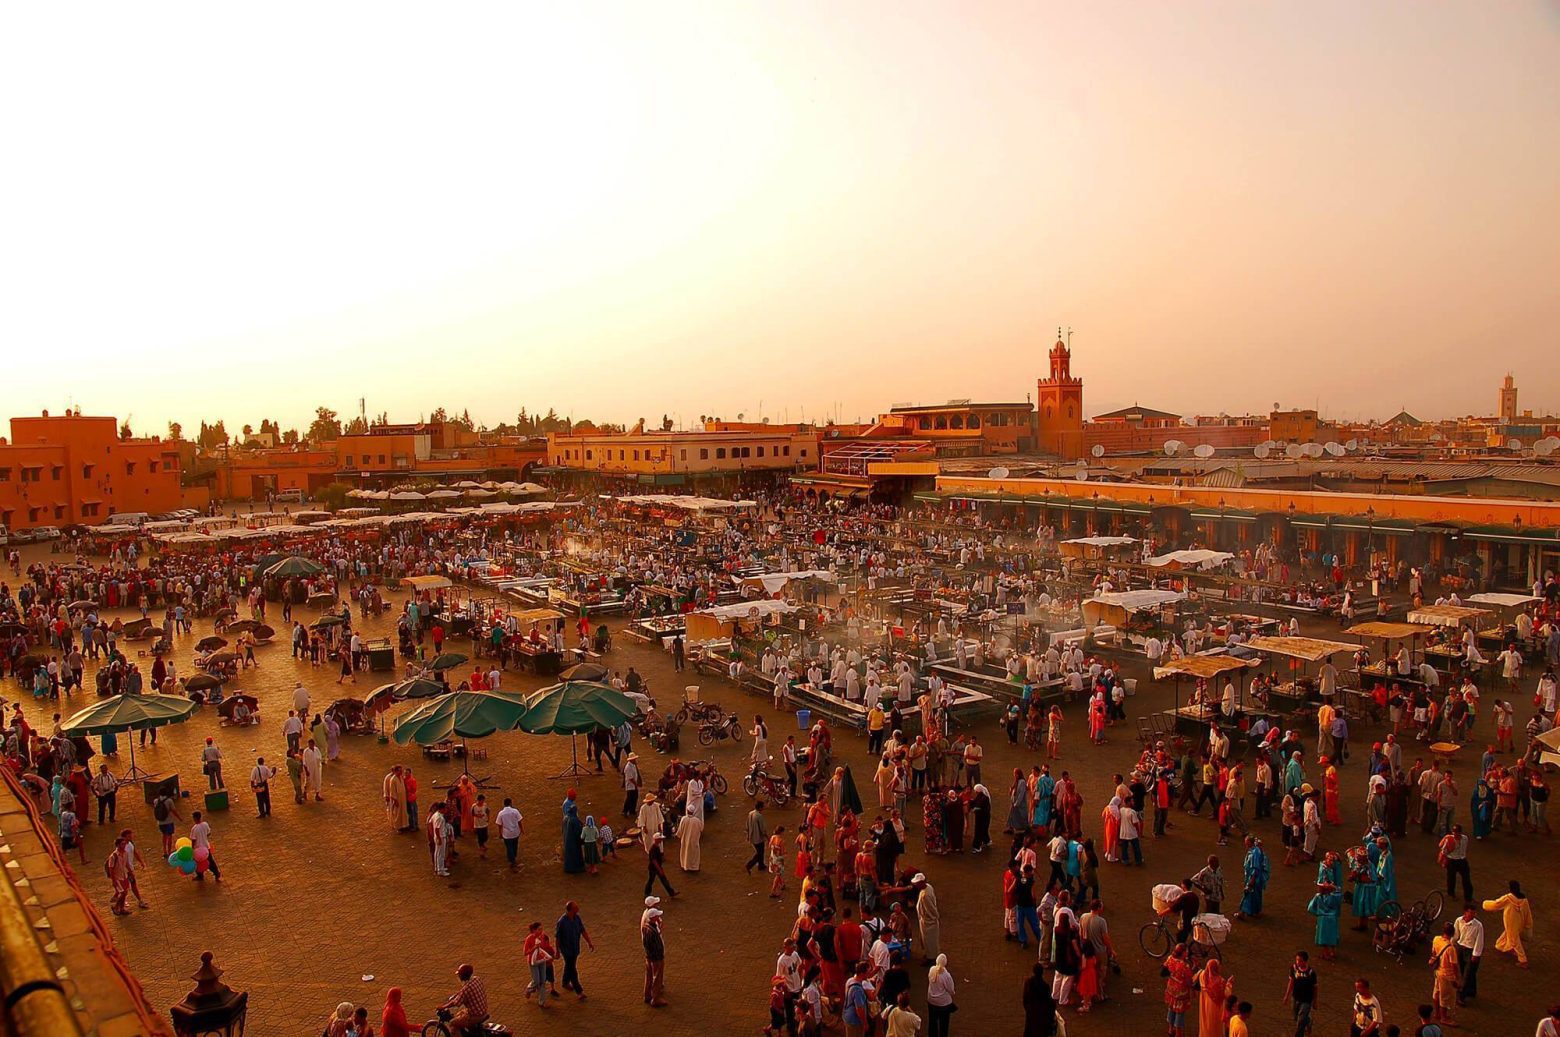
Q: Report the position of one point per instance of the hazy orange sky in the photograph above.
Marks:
(625, 210)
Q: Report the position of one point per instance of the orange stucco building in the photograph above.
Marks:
(67, 469)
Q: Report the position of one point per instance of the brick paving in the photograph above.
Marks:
(324, 894)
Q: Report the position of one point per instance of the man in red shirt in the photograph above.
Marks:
(847, 940)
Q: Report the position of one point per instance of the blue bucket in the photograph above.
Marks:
(803, 719)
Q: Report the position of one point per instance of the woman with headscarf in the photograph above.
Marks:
(1215, 986)
(1039, 1006)
(939, 998)
(1326, 905)
(1111, 816)
(1516, 915)
(1482, 809)
(332, 738)
(573, 841)
(689, 831)
(340, 1022)
(980, 814)
(1386, 872)
(393, 1021)
(59, 796)
(1018, 804)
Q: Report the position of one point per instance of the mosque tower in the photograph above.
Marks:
(1508, 400)
(1059, 405)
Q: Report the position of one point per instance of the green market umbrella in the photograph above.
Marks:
(129, 713)
(575, 707)
(593, 672)
(447, 661)
(460, 714)
(296, 565)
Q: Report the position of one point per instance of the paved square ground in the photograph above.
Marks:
(323, 895)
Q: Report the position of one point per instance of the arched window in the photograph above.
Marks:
(957, 421)
(974, 421)
(1048, 410)
(925, 423)
(942, 422)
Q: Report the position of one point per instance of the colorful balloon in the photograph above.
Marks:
(173, 860)
(185, 853)
(184, 841)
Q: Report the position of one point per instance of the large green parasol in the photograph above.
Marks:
(575, 707)
(129, 713)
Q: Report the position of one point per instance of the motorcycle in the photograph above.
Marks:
(759, 782)
(712, 731)
(713, 779)
(699, 711)
(440, 1026)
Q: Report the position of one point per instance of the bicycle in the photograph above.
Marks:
(1399, 930)
(1157, 941)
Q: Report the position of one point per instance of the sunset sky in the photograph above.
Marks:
(628, 210)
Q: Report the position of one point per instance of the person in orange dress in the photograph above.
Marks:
(1330, 790)
(1215, 986)
(803, 854)
(1111, 816)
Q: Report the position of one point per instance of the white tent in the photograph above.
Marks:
(1505, 601)
(1102, 541)
(1202, 560)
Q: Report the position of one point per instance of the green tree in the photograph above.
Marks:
(332, 496)
(356, 427)
(124, 428)
(326, 427)
(438, 417)
(290, 437)
(175, 431)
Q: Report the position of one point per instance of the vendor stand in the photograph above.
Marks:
(1300, 690)
(1206, 668)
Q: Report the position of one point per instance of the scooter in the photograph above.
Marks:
(442, 1027)
(712, 731)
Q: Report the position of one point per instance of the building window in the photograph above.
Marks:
(86, 471)
(787, 450)
(381, 458)
(924, 423)
(957, 421)
(760, 451)
(89, 510)
(636, 455)
(590, 455)
(152, 465)
(720, 453)
(349, 460)
(129, 467)
(59, 511)
(704, 453)
(684, 455)
(974, 421)
(942, 422)
(57, 470)
(804, 451)
(620, 455)
(5, 475)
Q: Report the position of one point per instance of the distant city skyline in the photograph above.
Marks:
(620, 211)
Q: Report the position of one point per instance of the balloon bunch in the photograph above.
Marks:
(188, 858)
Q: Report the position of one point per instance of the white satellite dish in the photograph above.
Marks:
(997, 473)
(1335, 449)
(1173, 447)
(1313, 450)
(1293, 450)
(1544, 447)
(1081, 463)
(1099, 450)
(1203, 450)
(1514, 444)
(1352, 444)
(1261, 449)
(1083, 475)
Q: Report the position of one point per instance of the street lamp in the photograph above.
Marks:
(212, 1009)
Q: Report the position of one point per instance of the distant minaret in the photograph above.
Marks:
(1508, 400)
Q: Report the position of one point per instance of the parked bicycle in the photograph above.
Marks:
(712, 731)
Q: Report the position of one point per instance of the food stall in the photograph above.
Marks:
(1192, 718)
(1407, 635)
(1300, 689)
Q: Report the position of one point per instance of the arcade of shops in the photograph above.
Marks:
(1496, 543)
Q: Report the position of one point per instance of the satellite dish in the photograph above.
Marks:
(1080, 463)
(1203, 450)
(1293, 450)
(1173, 447)
(1261, 449)
(1335, 449)
(1352, 444)
(1544, 447)
(997, 473)
(1514, 444)
(1099, 450)
(1313, 450)
(1083, 475)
